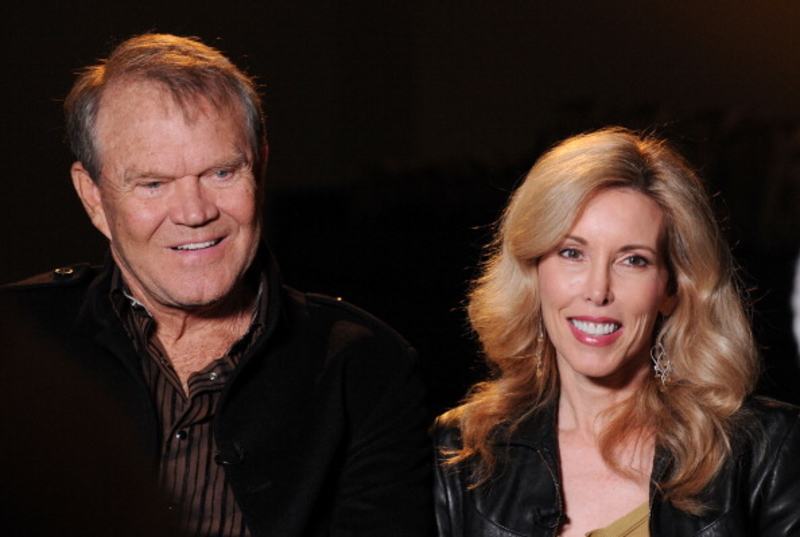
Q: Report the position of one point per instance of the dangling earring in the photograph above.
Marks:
(661, 363)
(539, 347)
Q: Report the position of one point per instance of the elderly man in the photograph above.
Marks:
(263, 410)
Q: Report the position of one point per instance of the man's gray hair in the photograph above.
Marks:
(184, 66)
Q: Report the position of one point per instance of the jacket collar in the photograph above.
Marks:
(98, 319)
(525, 492)
(96, 308)
(537, 430)
(540, 433)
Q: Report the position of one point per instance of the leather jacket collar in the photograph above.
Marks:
(750, 495)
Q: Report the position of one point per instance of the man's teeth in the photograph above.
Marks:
(196, 245)
(595, 329)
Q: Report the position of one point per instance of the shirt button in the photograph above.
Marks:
(213, 375)
(181, 435)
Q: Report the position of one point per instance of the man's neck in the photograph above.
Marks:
(192, 338)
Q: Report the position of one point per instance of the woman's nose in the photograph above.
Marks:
(598, 286)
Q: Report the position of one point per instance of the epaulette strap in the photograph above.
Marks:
(65, 276)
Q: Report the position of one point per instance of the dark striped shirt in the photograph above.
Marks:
(187, 470)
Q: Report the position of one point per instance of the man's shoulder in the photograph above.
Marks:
(52, 298)
(67, 276)
(343, 317)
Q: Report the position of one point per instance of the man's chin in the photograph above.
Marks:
(198, 303)
(191, 301)
(221, 300)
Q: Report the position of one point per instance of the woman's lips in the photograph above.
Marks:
(597, 332)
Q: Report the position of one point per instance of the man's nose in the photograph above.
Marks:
(192, 204)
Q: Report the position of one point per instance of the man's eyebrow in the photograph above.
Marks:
(133, 175)
(236, 161)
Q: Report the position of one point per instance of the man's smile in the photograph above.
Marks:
(197, 245)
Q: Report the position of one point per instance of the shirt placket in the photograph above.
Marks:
(193, 415)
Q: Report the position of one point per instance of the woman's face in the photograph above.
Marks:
(603, 287)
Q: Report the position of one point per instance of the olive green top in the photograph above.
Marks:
(634, 524)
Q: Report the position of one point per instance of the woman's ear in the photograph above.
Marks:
(668, 304)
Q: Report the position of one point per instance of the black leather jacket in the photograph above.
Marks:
(749, 496)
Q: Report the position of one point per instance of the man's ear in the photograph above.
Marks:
(263, 157)
(89, 193)
(261, 176)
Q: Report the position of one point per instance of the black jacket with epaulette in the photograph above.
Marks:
(321, 429)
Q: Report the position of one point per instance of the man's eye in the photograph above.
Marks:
(222, 174)
(153, 185)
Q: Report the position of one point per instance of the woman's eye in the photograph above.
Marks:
(637, 261)
(570, 253)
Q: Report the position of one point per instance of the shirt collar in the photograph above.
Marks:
(125, 304)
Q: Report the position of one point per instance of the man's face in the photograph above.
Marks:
(176, 196)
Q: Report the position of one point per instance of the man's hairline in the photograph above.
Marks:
(185, 105)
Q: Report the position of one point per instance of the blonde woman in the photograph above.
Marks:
(621, 400)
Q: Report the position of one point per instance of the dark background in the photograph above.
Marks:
(398, 129)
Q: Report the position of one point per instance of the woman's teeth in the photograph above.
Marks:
(595, 329)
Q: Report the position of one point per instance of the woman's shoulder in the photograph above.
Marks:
(446, 430)
(775, 426)
(773, 415)
(535, 429)
(772, 477)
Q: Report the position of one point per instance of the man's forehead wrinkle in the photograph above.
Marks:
(122, 102)
(114, 101)
(191, 104)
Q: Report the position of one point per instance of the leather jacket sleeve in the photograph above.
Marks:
(445, 482)
(775, 497)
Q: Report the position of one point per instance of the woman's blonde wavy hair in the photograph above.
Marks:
(707, 338)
